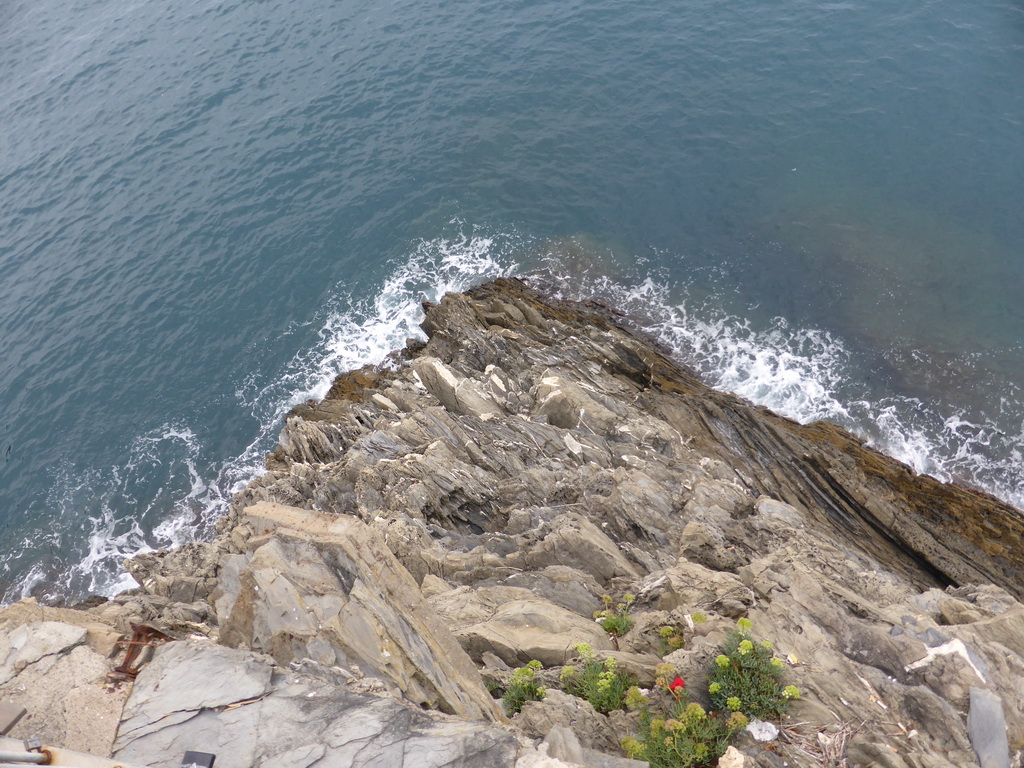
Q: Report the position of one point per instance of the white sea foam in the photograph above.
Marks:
(358, 332)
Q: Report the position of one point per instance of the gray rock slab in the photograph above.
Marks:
(454, 392)
(31, 643)
(562, 744)
(328, 588)
(986, 725)
(294, 720)
(59, 681)
(10, 714)
(183, 679)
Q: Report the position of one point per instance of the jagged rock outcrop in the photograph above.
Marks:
(326, 587)
(473, 500)
(560, 406)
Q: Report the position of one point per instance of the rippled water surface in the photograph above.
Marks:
(207, 209)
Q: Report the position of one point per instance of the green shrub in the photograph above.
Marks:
(671, 639)
(522, 687)
(744, 683)
(599, 682)
(746, 677)
(615, 620)
(689, 738)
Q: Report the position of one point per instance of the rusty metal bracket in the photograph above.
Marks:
(142, 637)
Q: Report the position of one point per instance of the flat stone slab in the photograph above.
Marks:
(986, 725)
(252, 714)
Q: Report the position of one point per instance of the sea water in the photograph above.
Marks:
(209, 209)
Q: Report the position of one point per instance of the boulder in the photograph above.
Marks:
(693, 587)
(567, 587)
(561, 710)
(455, 393)
(183, 575)
(565, 404)
(574, 541)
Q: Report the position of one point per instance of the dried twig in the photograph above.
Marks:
(828, 749)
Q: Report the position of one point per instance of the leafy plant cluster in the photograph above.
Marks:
(671, 639)
(523, 687)
(747, 677)
(744, 682)
(615, 619)
(688, 736)
(601, 683)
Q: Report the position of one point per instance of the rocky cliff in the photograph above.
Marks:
(465, 509)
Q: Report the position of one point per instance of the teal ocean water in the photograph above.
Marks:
(208, 209)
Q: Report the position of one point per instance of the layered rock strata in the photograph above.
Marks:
(463, 508)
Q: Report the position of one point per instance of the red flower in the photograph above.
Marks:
(676, 686)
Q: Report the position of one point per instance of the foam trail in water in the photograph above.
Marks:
(355, 332)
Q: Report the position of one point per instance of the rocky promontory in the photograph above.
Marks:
(467, 507)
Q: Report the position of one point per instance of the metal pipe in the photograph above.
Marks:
(22, 757)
